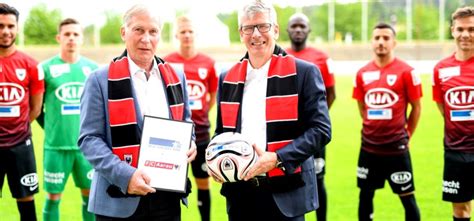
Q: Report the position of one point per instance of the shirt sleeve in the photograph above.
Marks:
(413, 84)
(358, 92)
(36, 76)
(212, 79)
(328, 77)
(436, 86)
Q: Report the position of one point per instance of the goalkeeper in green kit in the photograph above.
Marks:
(65, 75)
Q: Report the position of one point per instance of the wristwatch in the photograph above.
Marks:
(279, 164)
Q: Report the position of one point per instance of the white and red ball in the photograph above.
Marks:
(229, 156)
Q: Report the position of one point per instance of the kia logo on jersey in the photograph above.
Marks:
(11, 93)
(460, 97)
(195, 89)
(401, 177)
(70, 92)
(380, 98)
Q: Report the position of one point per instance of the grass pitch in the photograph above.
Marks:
(426, 152)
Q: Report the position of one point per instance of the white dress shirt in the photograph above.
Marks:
(150, 93)
(254, 125)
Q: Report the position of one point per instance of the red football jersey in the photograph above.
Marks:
(385, 93)
(19, 80)
(201, 80)
(318, 58)
(453, 86)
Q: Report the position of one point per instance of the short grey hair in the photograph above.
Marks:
(257, 6)
(137, 10)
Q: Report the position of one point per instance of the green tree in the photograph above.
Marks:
(110, 32)
(231, 21)
(426, 26)
(283, 15)
(349, 19)
(89, 35)
(41, 25)
(167, 32)
(318, 19)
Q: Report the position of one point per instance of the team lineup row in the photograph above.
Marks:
(278, 98)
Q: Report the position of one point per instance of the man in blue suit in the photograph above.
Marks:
(115, 99)
(279, 103)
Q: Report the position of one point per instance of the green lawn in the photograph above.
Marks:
(426, 149)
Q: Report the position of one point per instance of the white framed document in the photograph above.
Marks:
(163, 148)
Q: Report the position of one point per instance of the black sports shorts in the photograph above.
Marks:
(373, 170)
(198, 165)
(18, 163)
(458, 179)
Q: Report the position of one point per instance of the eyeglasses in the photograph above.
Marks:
(262, 28)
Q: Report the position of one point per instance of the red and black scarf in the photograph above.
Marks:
(122, 113)
(281, 101)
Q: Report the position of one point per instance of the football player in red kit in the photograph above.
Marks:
(384, 88)
(298, 30)
(21, 97)
(202, 86)
(453, 91)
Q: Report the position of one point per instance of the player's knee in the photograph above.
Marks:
(461, 210)
(202, 183)
(25, 199)
(406, 194)
(54, 196)
(85, 192)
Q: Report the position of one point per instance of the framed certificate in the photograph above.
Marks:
(163, 148)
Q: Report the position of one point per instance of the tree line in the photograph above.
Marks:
(40, 27)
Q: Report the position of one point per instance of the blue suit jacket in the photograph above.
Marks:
(95, 142)
(313, 114)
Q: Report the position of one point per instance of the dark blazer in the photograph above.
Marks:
(96, 144)
(313, 115)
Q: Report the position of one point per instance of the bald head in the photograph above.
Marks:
(299, 16)
(298, 30)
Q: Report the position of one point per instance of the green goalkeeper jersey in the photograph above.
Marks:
(64, 84)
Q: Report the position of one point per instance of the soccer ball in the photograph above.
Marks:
(229, 157)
